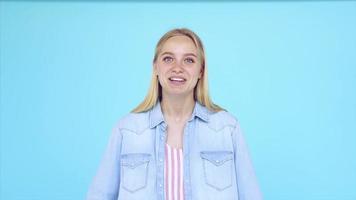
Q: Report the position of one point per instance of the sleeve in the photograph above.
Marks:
(106, 183)
(247, 184)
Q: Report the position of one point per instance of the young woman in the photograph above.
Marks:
(177, 144)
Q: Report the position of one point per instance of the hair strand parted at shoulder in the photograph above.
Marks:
(201, 91)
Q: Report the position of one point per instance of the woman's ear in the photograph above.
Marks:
(201, 73)
(155, 69)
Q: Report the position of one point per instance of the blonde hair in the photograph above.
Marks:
(201, 92)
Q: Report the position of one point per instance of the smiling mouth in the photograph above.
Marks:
(177, 80)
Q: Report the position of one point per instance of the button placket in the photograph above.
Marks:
(161, 146)
(186, 151)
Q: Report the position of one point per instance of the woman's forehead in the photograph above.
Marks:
(179, 44)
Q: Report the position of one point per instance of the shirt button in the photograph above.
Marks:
(160, 185)
(161, 160)
(217, 161)
(162, 137)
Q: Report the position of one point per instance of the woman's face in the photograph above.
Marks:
(178, 67)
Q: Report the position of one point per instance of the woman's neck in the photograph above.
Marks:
(177, 109)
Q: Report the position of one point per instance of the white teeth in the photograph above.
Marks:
(176, 79)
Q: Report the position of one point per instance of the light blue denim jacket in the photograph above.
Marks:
(216, 159)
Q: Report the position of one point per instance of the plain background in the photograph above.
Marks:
(285, 69)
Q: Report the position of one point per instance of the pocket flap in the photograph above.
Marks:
(133, 160)
(217, 157)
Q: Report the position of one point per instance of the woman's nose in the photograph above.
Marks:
(178, 66)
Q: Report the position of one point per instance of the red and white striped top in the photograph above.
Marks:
(173, 173)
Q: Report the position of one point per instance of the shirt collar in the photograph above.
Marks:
(156, 115)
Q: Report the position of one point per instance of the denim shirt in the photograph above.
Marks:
(217, 164)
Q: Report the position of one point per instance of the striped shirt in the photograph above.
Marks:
(173, 173)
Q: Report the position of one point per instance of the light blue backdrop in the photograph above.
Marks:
(70, 70)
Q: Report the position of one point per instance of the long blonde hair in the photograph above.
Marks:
(201, 92)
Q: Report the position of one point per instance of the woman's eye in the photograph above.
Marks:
(190, 60)
(167, 59)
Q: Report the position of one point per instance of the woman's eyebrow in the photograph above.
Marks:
(186, 54)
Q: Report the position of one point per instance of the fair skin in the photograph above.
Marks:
(178, 69)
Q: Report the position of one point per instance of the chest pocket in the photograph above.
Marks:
(134, 171)
(217, 168)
